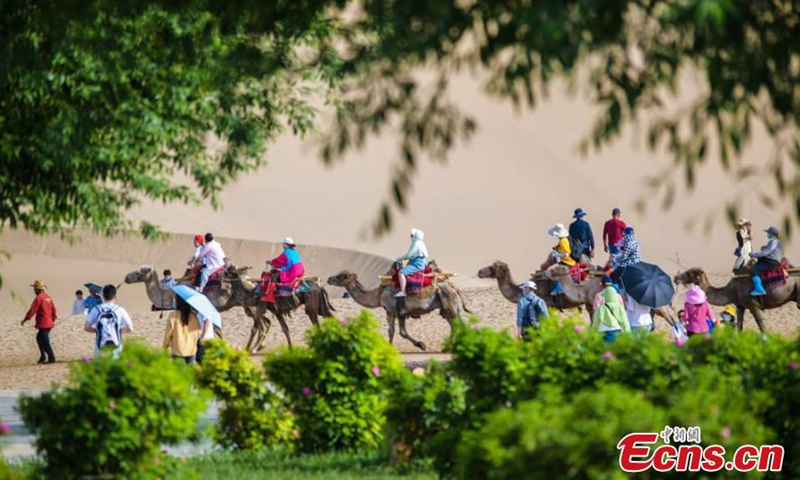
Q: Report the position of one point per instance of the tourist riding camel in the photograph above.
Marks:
(581, 232)
(767, 258)
(631, 253)
(417, 257)
(285, 268)
(612, 230)
(194, 260)
(743, 237)
(213, 258)
(561, 254)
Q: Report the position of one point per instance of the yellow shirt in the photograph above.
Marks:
(182, 339)
(563, 247)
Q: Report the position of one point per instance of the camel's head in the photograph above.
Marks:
(494, 270)
(693, 276)
(554, 272)
(140, 275)
(231, 270)
(343, 279)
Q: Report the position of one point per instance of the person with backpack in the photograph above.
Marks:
(530, 310)
(108, 321)
(581, 236)
(44, 309)
(183, 330)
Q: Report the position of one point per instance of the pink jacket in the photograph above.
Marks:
(695, 315)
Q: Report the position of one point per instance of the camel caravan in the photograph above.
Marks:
(625, 286)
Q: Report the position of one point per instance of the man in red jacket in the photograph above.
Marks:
(612, 230)
(44, 309)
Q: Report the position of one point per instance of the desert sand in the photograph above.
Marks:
(495, 199)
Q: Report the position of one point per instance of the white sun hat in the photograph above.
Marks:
(288, 241)
(528, 284)
(559, 231)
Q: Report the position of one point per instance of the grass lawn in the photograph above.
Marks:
(278, 465)
(270, 465)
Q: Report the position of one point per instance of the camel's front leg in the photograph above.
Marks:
(284, 327)
(740, 311)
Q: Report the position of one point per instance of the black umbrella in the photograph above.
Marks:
(93, 287)
(648, 284)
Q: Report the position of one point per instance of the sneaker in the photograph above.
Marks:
(399, 295)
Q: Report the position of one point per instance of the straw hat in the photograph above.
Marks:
(559, 231)
(39, 285)
(743, 221)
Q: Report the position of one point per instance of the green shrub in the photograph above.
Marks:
(115, 415)
(701, 377)
(423, 407)
(555, 437)
(338, 385)
(251, 416)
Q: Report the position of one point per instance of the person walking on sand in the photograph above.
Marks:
(612, 230)
(108, 321)
(530, 311)
(744, 235)
(639, 317)
(183, 330)
(581, 231)
(417, 256)
(206, 334)
(44, 309)
(697, 317)
(78, 307)
(610, 319)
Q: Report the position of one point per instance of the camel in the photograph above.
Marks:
(444, 297)
(315, 301)
(164, 299)
(737, 292)
(575, 296)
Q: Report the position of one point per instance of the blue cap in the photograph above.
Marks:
(579, 213)
(628, 231)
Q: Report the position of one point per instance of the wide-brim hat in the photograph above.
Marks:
(559, 230)
(39, 285)
(579, 213)
(695, 295)
(773, 230)
(743, 221)
(730, 310)
(528, 284)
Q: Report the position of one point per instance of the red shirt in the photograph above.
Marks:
(612, 231)
(45, 310)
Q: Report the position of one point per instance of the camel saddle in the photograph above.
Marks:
(278, 290)
(773, 278)
(416, 282)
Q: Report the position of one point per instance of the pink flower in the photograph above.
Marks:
(295, 434)
(87, 359)
(342, 320)
(578, 328)
(680, 342)
(608, 355)
(112, 405)
(725, 432)
(306, 391)
(5, 428)
(376, 371)
(793, 365)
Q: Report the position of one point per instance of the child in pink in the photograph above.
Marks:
(696, 311)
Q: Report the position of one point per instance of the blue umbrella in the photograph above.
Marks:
(648, 284)
(199, 302)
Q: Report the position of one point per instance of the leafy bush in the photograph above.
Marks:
(693, 385)
(251, 416)
(115, 415)
(338, 385)
(423, 406)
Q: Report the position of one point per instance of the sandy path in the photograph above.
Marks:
(17, 357)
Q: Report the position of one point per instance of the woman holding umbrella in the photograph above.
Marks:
(183, 330)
